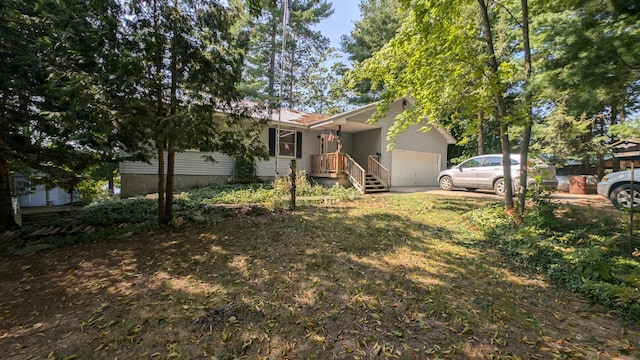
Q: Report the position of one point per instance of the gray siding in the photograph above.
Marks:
(412, 139)
(369, 143)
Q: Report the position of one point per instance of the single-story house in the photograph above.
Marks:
(341, 149)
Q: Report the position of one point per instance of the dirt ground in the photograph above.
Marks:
(239, 290)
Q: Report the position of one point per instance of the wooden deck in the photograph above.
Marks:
(375, 178)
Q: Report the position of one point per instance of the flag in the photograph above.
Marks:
(287, 11)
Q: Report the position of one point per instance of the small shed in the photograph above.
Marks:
(49, 187)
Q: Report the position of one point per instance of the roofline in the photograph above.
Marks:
(353, 112)
(288, 124)
(450, 139)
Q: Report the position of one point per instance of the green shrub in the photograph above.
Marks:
(577, 249)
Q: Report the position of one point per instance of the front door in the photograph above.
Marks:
(326, 146)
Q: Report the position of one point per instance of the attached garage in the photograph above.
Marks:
(412, 168)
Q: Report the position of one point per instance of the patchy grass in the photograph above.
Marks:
(382, 277)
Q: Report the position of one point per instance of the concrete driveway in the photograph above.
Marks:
(561, 197)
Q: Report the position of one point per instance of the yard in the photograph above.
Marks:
(392, 276)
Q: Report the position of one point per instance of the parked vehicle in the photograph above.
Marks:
(617, 188)
(486, 172)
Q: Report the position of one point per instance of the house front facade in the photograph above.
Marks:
(343, 149)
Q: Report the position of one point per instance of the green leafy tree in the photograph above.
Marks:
(444, 55)
(51, 116)
(266, 61)
(588, 64)
(183, 63)
(378, 24)
(320, 93)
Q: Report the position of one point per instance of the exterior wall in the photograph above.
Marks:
(412, 139)
(187, 163)
(191, 169)
(140, 184)
(310, 145)
(369, 142)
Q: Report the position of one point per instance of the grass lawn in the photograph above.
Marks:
(382, 277)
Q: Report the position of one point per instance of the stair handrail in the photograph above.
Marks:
(379, 171)
(356, 173)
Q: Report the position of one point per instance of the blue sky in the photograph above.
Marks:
(345, 13)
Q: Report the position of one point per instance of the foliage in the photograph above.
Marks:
(304, 49)
(587, 65)
(205, 204)
(93, 190)
(581, 250)
(52, 105)
(379, 21)
(245, 169)
(305, 188)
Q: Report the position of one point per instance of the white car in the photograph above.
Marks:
(617, 188)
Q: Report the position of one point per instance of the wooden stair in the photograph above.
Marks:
(372, 185)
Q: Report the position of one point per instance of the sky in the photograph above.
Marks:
(345, 13)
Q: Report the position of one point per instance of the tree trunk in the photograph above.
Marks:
(7, 220)
(480, 132)
(501, 108)
(162, 214)
(171, 160)
(526, 134)
(172, 133)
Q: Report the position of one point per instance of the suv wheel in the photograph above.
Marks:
(498, 187)
(446, 183)
(621, 197)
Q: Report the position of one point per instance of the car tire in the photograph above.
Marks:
(620, 197)
(498, 187)
(446, 183)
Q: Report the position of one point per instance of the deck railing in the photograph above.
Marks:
(325, 164)
(357, 175)
(379, 171)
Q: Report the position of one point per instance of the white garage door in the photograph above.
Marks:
(411, 168)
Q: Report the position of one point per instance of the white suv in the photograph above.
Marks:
(617, 188)
(486, 172)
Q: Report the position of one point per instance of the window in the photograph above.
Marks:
(473, 162)
(290, 143)
(287, 143)
(492, 161)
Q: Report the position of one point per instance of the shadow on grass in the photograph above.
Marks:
(384, 277)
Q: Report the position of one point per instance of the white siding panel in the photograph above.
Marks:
(187, 163)
(36, 196)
